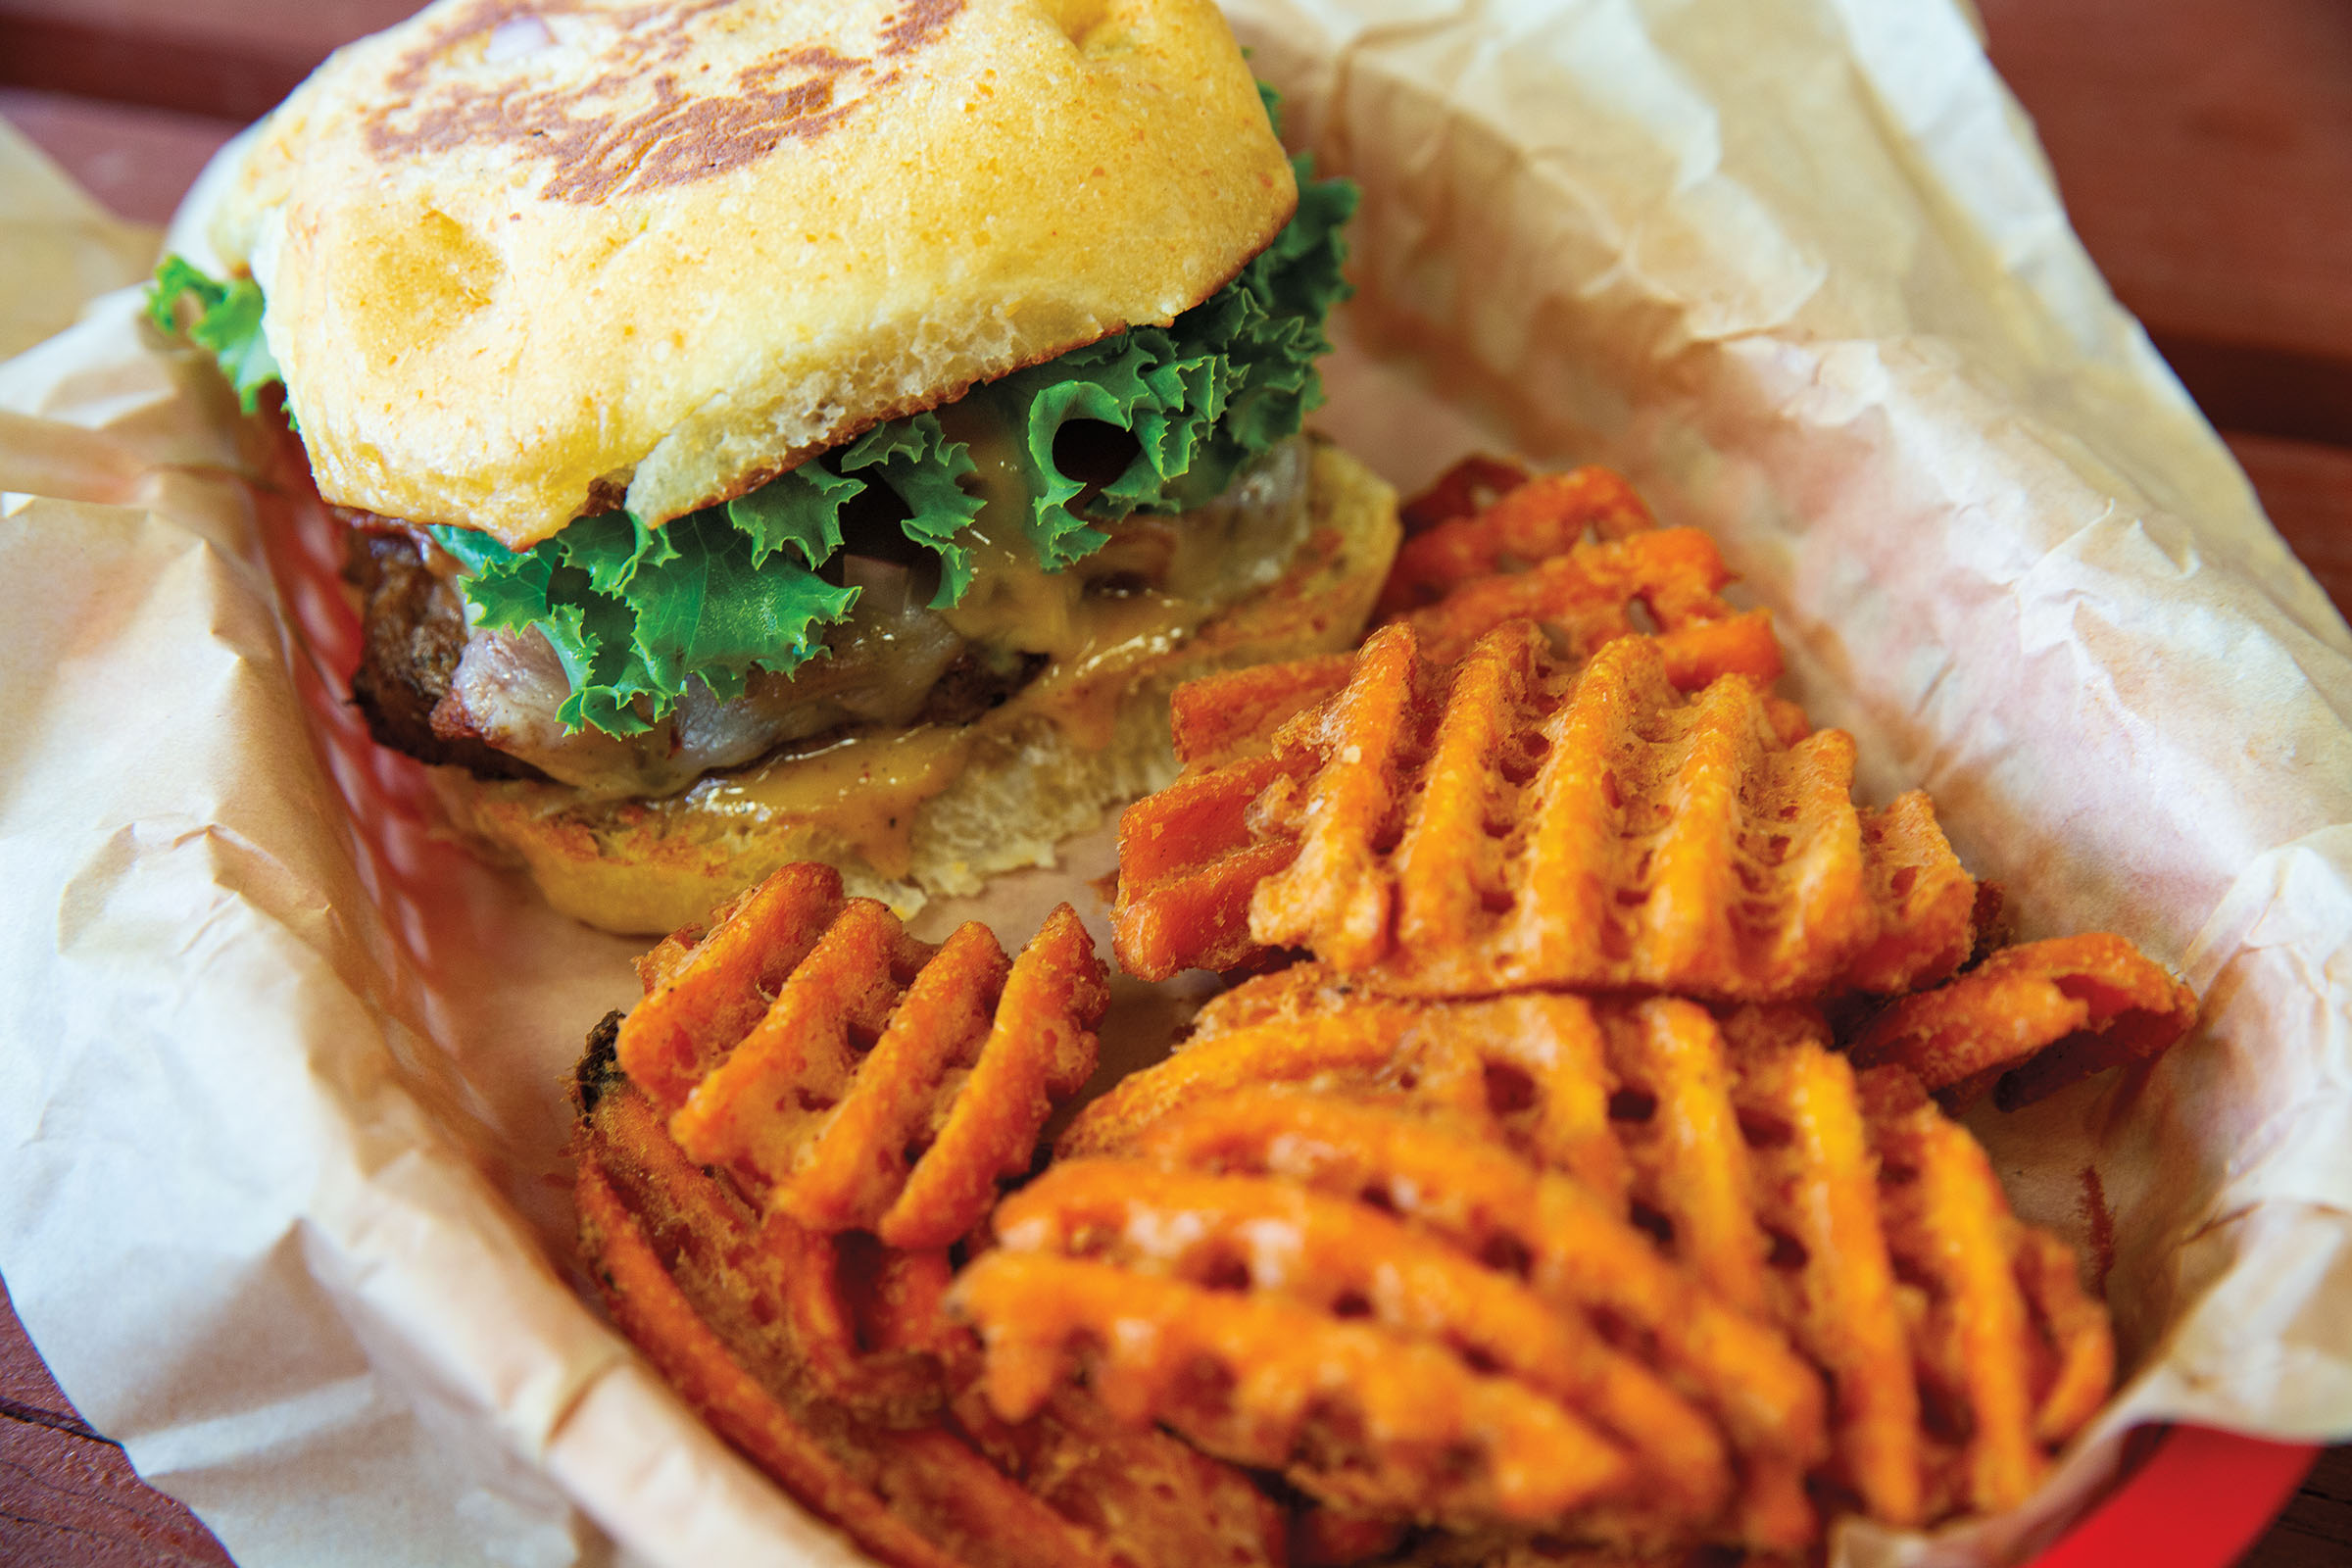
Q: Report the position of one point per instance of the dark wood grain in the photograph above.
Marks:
(2307, 489)
(68, 1496)
(2262, 390)
(2316, 1530)
(232, 60)
(2204, 148)
(137, 161)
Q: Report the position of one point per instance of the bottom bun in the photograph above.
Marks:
(948, 806)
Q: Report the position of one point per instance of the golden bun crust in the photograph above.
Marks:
(648, 867)
(523, 265)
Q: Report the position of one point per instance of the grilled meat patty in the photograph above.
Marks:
(443, 695)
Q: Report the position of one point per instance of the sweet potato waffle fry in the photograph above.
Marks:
(2012, 1355)
(1135, 1488)
(1521, 824)
(1281, 1241)
(2032, 1019)
(1580, 554)
(1187, 859)
(1572, 1245)
(1401, 1426)
(1366, 1420)
(1304, 1026)
(1224, 718)
(1469, 486)
(1587, 596)
(1534, 519)
(1931, 911)
(1516, 819)
(1743, 1147)
(706, 1287)
(1188, 866)
(889, 1084)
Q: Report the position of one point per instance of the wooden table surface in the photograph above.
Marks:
(2204, 148)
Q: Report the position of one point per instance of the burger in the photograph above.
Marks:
(774, 430)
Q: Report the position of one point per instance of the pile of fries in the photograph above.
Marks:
(1564, 1181)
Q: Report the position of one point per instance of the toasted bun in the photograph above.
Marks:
(521, 265)
(1026, 785)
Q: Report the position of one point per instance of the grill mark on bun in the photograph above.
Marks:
(916, 25)
(635, 126)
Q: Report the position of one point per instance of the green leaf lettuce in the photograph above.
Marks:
(227, 319)
(635, 613)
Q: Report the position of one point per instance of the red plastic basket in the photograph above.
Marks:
(2196, 1502)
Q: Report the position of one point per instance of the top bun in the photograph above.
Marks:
(525, 262)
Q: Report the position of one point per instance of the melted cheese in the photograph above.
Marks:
(865, 787)
(1094, 623)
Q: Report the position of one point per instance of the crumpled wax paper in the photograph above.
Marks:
(281, 1102)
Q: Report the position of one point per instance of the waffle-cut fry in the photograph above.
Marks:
(1699, 652)
(1575, 1249)
(1545, 516)
(1524, 1072)
(1147, 1495)
(843, 1169)
(777, 1085)
(692, 1274)
(2078, 1369)
(1347, 1258)
(702, 991)
(1197, 918)
(1812, 1179)
(1453, 586)
(1515, 821)
(1188, 865)
(1674, 1114)
(1224, 718)
(682, 1263)
(1929, 901)
(1530, 1065)
(1473, 483)
(2017, 1358)
(867, 1326)
(776, 1292)
(2034, 1020)
(1585, 595)
(1326, 1538)
(1183, 901)
(1361, 1420)
(1040, 1050)
(647, 1306)
(890, 1084)
(1387, 708)
(1744, 1145)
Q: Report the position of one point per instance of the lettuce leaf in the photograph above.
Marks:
(227, 321)
(916, 459)
(1226, 380)
(633, 613)
(636, 612)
